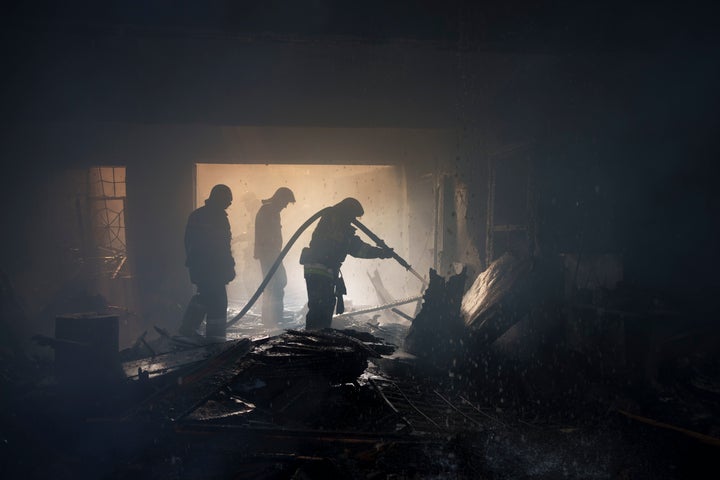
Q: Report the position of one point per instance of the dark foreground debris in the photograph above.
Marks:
(346, 404)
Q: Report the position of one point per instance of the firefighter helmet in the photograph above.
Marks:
(220, 195)
(282, 195)
(350, 207)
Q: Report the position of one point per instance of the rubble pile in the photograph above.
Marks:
(461, 401)
(436, 331)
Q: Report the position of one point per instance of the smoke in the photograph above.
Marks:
(381, 190)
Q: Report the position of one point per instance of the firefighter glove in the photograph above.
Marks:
(386, 253)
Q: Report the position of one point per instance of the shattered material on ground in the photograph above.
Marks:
(519, 401)
(334, 404)
(501, 296)
(438, 328)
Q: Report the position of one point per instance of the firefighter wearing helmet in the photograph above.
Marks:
(268, 244)
(210, 263)
(333, 239)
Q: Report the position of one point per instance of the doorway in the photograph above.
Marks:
(380, 188)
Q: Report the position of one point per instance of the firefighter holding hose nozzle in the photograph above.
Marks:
(333, 239)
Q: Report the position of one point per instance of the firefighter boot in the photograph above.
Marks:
(193, 317)
(215, 329)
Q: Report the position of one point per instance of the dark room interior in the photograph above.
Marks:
(538, 196)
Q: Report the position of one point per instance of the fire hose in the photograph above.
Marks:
(283, 253)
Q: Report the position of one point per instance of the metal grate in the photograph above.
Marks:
(429, 411)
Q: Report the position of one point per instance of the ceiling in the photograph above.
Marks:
(499, 25)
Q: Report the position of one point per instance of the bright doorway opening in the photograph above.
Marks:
(380, 188)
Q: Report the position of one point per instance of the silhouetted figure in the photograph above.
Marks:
(268, 244)
(210, 263)
(333, 239)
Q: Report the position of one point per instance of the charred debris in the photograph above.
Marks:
(501, 377)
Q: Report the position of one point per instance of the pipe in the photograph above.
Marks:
(377, 308)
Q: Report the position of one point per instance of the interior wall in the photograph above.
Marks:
(41, 254)
(160, 186)
(625, 140)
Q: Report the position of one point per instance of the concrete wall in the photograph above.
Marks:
(160, 164)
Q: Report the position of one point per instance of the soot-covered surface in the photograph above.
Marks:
(329, 405)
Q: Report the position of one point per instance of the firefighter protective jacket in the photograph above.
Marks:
(333, 239)
(268, 232)
(207, 247)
